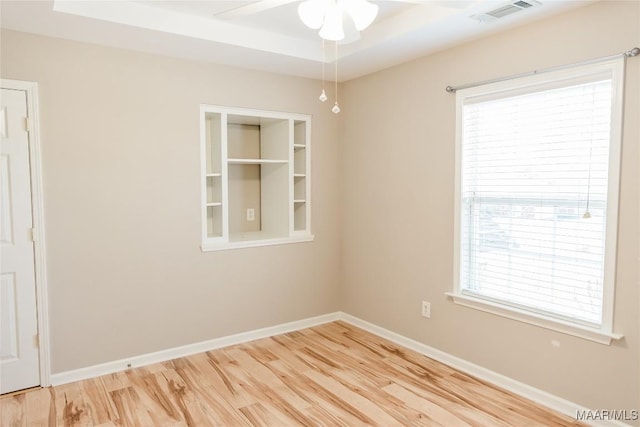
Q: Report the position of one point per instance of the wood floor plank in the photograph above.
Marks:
(325, 418)
(71, 409)
(395, 408)
(115, 381)
(442, 415)
(330, 375)
(257, 374)
(231, 387)
(153, 393)
(98, 400)
(366, 410)
(274, 397)
(37, 408)
(12, 411)
(258, 415)
(210, 408)
(127, 411)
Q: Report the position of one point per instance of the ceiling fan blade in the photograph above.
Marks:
(351, 34)
(255, 7)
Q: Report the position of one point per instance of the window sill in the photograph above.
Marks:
(249, 241)
(601, 337)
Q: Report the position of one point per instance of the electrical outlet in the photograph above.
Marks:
(426, 309)
(251, 214)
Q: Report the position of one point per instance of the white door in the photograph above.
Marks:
(19, 356)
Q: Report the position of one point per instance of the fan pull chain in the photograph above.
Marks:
(336, 107)
(323, 95)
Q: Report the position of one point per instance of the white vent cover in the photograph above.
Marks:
(505, 10)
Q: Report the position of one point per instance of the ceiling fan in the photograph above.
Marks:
(337, 20)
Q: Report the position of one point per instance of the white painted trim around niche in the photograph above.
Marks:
(551, 401)
(188, 350)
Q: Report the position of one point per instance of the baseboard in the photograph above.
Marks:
(187, 350)
(541, 397)
(549, 400)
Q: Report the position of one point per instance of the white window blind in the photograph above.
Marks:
(534, 188)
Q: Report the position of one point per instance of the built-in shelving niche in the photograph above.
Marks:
(256, 177)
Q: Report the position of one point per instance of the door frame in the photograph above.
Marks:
(37, 206)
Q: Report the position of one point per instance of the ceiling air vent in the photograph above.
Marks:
(505, 10)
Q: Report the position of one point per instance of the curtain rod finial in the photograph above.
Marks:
(450, 89)
(633, 52)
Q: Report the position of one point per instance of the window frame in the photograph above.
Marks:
(614, 69)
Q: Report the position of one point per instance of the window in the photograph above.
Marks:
(537, 165)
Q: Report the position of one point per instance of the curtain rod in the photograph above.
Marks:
(628, 54)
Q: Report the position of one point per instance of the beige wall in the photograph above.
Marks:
(120, 146)
(121, 171)
(398, 155)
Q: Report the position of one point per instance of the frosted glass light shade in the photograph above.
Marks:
(332, 27)
(312, 12)
(362, 12)
(328, 16)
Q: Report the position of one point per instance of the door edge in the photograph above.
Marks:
(37, 203)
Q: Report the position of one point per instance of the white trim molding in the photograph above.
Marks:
(188, 350)
(37, 202)
(532, 318)
(541, 397)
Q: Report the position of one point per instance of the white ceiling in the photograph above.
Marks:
(267, 34)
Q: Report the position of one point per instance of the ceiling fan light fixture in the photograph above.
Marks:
(312, 12)
(362, 12)
(332, 28)
(334, 18)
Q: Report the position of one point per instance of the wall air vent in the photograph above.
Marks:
(505, 10)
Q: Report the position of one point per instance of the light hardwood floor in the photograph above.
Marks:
(330, 375)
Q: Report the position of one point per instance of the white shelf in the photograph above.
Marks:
(252, 241)
(255, 161)
(249, 236)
